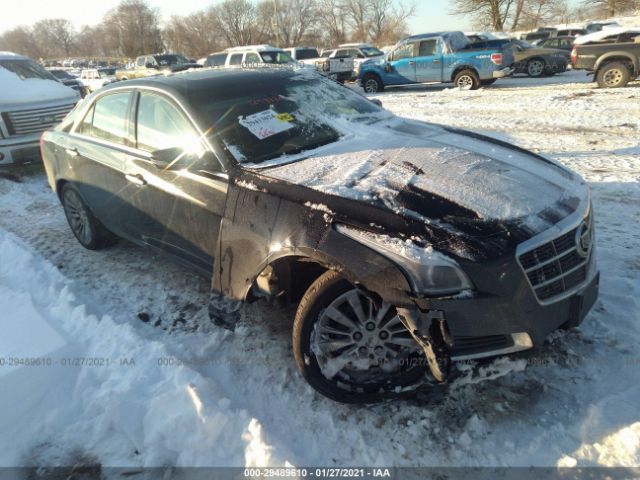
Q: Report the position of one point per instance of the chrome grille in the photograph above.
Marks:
(557, 266)
(26, 122)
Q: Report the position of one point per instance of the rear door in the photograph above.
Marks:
(180, 207)
(97, 151)
(428, 61)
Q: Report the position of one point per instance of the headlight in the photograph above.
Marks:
(429, 272)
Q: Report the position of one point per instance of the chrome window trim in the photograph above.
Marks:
(563, 227)
(131, 89)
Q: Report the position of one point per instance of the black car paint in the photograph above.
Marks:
(247, 220)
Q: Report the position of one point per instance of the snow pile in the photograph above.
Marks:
(605, 33)
(101, 388)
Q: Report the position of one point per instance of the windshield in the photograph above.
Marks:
(26, 69)
(61, 74)
(371, 52)
(281, 116)
(276, 57)
(170, 59)
(326, 53)
(106, 72)
(524, 44)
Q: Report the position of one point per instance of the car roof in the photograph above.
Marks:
(193, 81)
(12, 56)
(422, 36)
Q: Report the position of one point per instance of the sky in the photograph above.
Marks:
(431, 15)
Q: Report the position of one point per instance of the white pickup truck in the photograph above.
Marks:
(94, 78)
(336, 65)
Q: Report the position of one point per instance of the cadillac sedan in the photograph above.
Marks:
(405, 245)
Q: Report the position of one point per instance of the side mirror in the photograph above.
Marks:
(149, 65)
(387, 67)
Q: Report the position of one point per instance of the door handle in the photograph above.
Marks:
(412, 62)
(136, 179)
(72, 152)
(436, 61)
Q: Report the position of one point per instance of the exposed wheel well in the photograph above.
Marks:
(624, 60)
(286, 279)
(59, 186)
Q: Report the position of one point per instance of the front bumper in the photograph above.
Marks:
(20, 150)
(505, 72)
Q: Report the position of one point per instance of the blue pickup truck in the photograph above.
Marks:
(439, 58)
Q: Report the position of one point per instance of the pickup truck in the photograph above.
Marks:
(439, 58)
(157, 64)
(612, 55)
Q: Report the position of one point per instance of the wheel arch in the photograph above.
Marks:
(617, 56)
(460, 68)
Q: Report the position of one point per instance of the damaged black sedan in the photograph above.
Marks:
(405, 245)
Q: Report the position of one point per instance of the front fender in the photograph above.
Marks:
(259, 228)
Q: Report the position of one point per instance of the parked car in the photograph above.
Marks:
(305, 55)
(612, 55)
(95, 78)
(336, 67)
(157, 64)
(535, 36)
(571, 32)
(31, 101)
(558, 43)
(360, 52)
(69, 80)
(257, 55)
(399, 256)
(217, 59)
(439, 58)
(593, 27)
(537, 61)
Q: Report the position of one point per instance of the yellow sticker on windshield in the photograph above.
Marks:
(285, 117)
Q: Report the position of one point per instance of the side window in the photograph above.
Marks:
(343, 53)
(252, 58)
(140, 62)
(356, 53)
(236, 59)
(428, 48)
(161, 125)
(107, 119)
(404, 51)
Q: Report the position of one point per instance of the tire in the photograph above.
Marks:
(536, 67)
(372, 84)
(613, 75)
(327, 352)
(486, 83)
(467, 79)
(84, 225)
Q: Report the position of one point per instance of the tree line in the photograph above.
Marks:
(135, 27)
(512, 15)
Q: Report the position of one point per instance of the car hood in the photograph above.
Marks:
(16, 92)
(438, 178)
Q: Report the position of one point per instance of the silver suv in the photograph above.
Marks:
(31, 101)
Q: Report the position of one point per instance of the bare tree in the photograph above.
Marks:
(486, 13)
(236, 20)
(332, 21)
(287, 21)
(55, 36)
(20, 40)
(195, 35)
(612, 7)
(514, 14)
(388, 20)
(133, 28)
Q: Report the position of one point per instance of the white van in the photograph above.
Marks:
(31, 101)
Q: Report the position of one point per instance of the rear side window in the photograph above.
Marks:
(236, 59)
(161, 125)
(107, 119)
(252, 58)
(216, 60)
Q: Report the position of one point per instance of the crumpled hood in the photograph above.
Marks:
(428, 173)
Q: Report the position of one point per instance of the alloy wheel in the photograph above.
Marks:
(535, 68)
(465, 81)
(78, 218)
(371, 86)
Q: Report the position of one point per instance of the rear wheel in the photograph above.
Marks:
(613, 75)
(536, 67)
(84, 225)
(467, 80)
(372, 84)
(351, 349)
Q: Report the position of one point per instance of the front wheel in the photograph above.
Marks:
(350, 348)
(613, 75)
(467, 80)
(372, 84)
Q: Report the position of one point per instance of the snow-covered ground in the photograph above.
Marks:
(159, 385)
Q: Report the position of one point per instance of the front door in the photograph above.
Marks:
(179, 206)
(403, 64)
